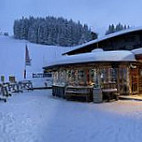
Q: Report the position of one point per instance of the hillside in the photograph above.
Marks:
(12, 56)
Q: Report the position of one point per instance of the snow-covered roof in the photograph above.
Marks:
(102, 56)
(107, 37)
(137, 51)
(98, 50)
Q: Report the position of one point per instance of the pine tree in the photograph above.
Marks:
(94, 35)
(118, 27)
(82, 39)
(52, 31)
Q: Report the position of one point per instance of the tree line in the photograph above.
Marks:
(52, 31)
(115, 28)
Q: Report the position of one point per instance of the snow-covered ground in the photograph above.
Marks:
(36, 116)
(12, 56)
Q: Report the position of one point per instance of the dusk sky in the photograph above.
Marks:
(98, 14)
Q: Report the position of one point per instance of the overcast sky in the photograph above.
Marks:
(98, 14)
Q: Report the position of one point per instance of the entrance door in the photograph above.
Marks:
(140, 81)
(123, 81)
(134, 80)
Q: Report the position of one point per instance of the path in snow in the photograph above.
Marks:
(38, 117)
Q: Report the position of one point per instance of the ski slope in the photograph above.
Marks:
(12, 56)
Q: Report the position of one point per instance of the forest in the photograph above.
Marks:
(52, 31)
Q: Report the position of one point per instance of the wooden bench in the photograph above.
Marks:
(110, 94)
(78, 92)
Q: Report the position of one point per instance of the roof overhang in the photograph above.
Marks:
(86, 64)
(94, 57)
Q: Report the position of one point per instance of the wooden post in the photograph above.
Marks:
(129, 81)
(138, 80)
(98, 77)
(118, 81)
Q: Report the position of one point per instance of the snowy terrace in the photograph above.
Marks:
(38, 117)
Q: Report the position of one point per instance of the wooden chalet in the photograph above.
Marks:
(112, 72)
(128, 39)
(117, 71)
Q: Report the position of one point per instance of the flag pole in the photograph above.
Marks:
(25, 63)
(25, 72)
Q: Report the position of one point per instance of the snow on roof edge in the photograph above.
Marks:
(137, 51)
(105, 56)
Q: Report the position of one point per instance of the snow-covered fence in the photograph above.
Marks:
(25, 85)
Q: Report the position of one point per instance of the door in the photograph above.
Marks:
(134, 80)
(140, 80)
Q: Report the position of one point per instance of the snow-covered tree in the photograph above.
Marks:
(112, 28)
(52, 31)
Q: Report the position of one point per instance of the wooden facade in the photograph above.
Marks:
(126, 77)
(121, 76)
